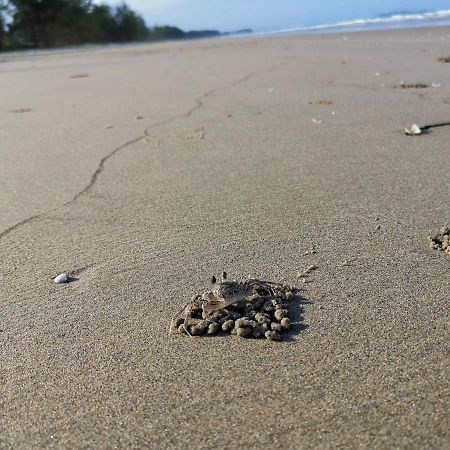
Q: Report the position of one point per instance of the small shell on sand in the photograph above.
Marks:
(61, 278)
(413, 131)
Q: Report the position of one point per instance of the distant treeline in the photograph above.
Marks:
(55, 23)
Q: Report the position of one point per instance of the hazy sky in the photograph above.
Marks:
(229, 15)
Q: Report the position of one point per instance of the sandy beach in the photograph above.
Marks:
(143, 170)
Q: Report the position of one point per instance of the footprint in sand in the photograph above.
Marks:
(154, 141)
(20, 110)
(196, 135)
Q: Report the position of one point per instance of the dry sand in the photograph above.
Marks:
(225, 169)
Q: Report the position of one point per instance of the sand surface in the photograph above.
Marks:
(225, 169)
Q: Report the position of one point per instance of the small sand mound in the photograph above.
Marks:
(248, 309)
(441, 241)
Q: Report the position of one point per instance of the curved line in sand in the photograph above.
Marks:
(101, 165)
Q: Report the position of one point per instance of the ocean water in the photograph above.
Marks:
(394, 21)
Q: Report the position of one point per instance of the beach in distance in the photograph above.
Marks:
(142, 170)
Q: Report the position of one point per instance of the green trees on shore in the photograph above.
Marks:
(54, 23)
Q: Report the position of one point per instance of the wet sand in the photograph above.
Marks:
(143, 170)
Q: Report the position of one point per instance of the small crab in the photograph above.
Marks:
(225, 293)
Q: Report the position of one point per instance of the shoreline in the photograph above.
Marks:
(254, 35)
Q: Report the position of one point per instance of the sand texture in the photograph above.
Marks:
(143, 170)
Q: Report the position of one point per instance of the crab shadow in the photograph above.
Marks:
(296, 308)
(428, 128)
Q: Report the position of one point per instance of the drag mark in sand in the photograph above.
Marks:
(24, 222)
(100, 168)
(198, 104)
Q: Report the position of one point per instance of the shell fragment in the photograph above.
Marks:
(413, 131)
(61, 278)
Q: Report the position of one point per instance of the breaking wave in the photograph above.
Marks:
(427, 18)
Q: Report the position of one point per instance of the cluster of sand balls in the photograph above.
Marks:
(441, 241)
(257, 317)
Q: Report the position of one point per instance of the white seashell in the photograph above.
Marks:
(317, 121)
(61, 278)
(436, 85)
(413, 131)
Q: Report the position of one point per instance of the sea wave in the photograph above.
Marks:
(420, 19)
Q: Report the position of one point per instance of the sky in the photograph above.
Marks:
(261, 15)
